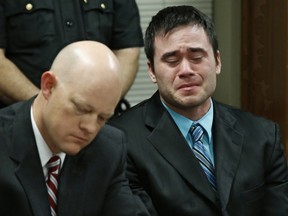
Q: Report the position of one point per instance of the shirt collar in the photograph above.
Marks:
(184, 124)
(44, 152)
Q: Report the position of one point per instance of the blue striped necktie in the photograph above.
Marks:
(201, 154)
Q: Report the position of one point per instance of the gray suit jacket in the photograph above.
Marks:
(251, 169)
(91, 183)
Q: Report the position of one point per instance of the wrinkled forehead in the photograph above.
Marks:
(186, 37)
(192, 29)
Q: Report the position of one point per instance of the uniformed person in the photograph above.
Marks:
(33, 32)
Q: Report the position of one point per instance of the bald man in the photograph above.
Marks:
(66, 121)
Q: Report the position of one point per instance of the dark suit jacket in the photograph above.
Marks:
(91, 183)
(251, 169)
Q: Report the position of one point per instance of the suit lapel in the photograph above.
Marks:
(170, 143)
(28, 166)
(228, 143)
(29, 174)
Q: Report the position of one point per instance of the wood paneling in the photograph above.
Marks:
(264, 83)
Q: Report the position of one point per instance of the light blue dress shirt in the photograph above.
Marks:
(184, 124)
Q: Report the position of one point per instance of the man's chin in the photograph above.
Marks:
(73, 149)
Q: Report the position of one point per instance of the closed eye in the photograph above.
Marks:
(80, 109)
(172, 61)
(196, 59)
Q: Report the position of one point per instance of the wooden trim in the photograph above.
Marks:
(264, 61)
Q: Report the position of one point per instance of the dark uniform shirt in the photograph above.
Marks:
(34, 31)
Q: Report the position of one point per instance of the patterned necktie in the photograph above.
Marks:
(53, 166)
(202, 155)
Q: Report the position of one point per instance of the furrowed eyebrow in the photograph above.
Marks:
(173, 53)
(197, 49)
(168, 54)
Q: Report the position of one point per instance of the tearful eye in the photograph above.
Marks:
(196, 59)
(172, 61)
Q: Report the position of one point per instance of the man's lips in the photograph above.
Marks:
(188, 86)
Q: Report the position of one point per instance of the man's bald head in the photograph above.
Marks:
(86, 59)
(78, 95)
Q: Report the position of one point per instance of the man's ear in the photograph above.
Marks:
(48, 82)
(151, 72)
(218, 63)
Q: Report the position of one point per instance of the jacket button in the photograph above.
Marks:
(103, 6)
(29, 6)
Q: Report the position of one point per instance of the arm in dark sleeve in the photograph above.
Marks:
(276, 196)
(137, 188)
(127, 31)
(120, 200)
